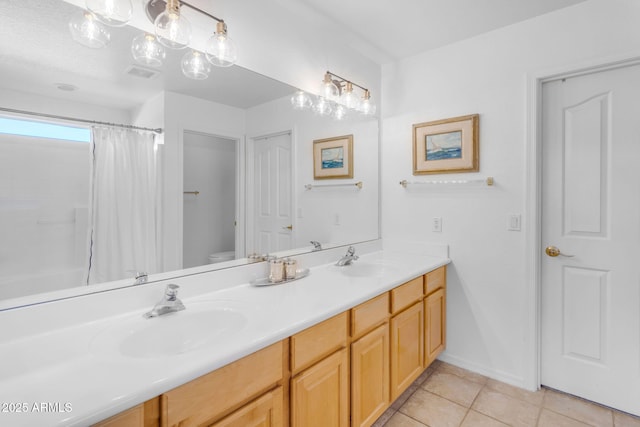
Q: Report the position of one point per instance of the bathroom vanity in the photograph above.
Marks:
(346, 370)
(335, 348)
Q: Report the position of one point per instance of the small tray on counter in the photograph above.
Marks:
(300, 273)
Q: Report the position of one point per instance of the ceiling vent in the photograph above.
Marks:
(141, 72)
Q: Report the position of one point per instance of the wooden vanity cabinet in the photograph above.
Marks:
(320, 375)
(207, 399)
(435, 309)
(344, 371)
(370, 377)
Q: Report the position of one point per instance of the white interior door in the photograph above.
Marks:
(590, 302)
(273, 227)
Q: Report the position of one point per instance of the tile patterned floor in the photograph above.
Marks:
(448, 396)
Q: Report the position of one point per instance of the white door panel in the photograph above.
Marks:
(590, 302)
(273, 194)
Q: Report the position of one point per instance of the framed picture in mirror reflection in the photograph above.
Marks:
(333, 157)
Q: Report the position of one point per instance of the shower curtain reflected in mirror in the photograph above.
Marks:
(125, 201)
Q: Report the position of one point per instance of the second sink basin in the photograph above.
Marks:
(200, 325)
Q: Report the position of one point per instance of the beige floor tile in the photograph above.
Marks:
(533, 397)
(476, 419)
(401, 420)
(453, 387)
(507, 409)
(386, 416)
(578, 409)
(452, 369)
(551, 419)
(433, 410)
(621, 419)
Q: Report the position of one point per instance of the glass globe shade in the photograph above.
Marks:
(147, 51)
(323, 106)
(195, 65)
(300, 100)
(173, 30)
(328, 89)
(88, 31)
(367, 107)
(221, 50)
(116, 13)
(349, 99)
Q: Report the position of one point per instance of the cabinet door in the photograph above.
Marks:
(266, 411)
(407, 347)
(133, 417)
(370, 376)
(320, 394)
(435, 309)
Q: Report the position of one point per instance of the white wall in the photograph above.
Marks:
(488, 293)
(315, 210)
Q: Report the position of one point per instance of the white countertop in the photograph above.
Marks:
(79, 386)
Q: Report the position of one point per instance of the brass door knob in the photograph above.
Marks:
(288, 227)
(553, 252)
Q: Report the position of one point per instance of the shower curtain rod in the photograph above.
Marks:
(73, 119)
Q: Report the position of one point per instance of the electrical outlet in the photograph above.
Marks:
(436, 225)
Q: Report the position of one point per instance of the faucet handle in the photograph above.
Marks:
(351, 251)
(140, 277)
(171, 292)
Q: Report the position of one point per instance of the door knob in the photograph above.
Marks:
(288, 227)
(553, 252)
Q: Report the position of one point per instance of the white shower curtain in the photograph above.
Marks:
(124, 234)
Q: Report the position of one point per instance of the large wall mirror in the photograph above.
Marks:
(230, 171)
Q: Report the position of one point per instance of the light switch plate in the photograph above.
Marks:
(436, 225)
(514, 222)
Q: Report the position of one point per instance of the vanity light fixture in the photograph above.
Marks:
(172, 30)
(146, 49)
(88, 31)
(337, 98)
(115, 13)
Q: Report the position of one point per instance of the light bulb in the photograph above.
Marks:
(88, 31)
(367, 106)
(300, 100)
(349, 99)
(221, 50)
(195, 66)
(115, 13)
(328, 89)
(146, 50)
(173, 29)
(340, 112)
(323, 106)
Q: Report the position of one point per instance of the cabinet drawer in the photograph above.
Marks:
(369, 314)
(405, 295)
(206, 398)
(265, 411)
(317, 341)
(435, 279)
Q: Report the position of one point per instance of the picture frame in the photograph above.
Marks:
(446, 146)
(333, 157)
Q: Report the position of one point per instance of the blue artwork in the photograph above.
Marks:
(333, 158)
(444, 146)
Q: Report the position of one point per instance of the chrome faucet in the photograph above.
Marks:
(348, 258)
(140, 277)
(316, 245)
(170, 303)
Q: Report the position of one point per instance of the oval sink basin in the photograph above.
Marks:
(200, 325)
(365, 269)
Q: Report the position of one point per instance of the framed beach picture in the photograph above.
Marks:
(446, 146)
(333, 157)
